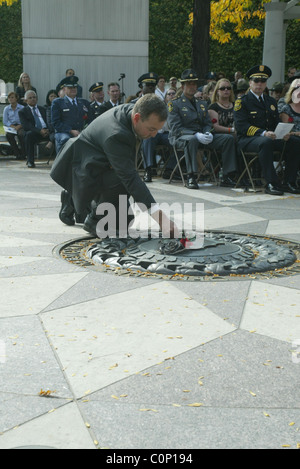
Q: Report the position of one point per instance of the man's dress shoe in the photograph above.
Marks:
(291, 188)
(273, 190)
(192, 183)
(66, 214)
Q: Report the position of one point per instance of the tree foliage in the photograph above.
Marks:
(11, 46)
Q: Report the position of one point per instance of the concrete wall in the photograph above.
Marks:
(99, 39)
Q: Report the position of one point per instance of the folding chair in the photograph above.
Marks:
(210, 157)
(253, 157)
(179, 159)
(207, 164)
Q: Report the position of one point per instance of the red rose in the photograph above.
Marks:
(214, 121)
(291, 119)
(85, 117)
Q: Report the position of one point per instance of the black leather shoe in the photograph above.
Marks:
(192, 183)
(90, 225)
(273, 190)
(227, 182)
(66, 214)
(148, 175)
(31, 165)
(291, 188)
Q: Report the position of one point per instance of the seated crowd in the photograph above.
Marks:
(222, 116)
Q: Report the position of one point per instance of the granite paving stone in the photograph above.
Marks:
(136, 363)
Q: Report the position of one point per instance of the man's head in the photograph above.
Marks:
(113, 91)
(70, 72)
(97, 91)
(148, 82)
(258, 77)
(69, 85)
(189, 83)
(31, 98)
(148, 116)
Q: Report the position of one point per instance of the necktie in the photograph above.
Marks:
(74, 103)
(261, 100)
(38, 123)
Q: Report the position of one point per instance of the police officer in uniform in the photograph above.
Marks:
(191, 129)
(96, 89)
(69, 115)
(256, 117)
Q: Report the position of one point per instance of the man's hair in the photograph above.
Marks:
(30, 92)
(113, 83)
(151, 104)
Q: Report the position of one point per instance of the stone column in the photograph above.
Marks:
(274, 43)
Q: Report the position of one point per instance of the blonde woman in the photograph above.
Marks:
(291, 110)
(221, 107)
(24, 85)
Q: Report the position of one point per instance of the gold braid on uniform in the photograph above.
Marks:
(252, 131)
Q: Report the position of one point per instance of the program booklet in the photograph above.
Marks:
(282, 129)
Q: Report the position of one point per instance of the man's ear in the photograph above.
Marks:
(136, 117)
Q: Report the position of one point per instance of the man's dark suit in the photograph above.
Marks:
(100, 163)
(106, 106)
(32, 133)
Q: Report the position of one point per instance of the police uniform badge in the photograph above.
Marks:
(273, 108)
(237, 105)
(170, 106)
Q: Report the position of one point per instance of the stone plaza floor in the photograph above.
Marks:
(94, 360)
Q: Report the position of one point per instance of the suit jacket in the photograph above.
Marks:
(185, 120)
(107, 143)
(66, 117)
(27, 119)
(252, 118)
(106, 106)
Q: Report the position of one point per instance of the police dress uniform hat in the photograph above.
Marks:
(151, 78)
(96, 87)
(211, 76)
(70, 82)
(189, 75)
(259, 71)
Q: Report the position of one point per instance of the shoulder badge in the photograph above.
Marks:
(170, 106)
(273, 108)
(237, 105)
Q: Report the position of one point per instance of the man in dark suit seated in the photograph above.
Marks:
(69, 114)
(113, 91)
(33, 119)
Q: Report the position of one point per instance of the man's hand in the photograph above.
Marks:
(44, 133)
(205, 139)
(74, 133)
(270, 135)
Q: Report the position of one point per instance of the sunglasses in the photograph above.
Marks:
(259, 80)
(171, 94)
(223, 88)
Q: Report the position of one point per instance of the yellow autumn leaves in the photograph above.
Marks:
(236, 13)
(8, 2)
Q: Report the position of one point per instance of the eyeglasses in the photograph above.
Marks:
(223, 88)
(259, 80)
(171, 94)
